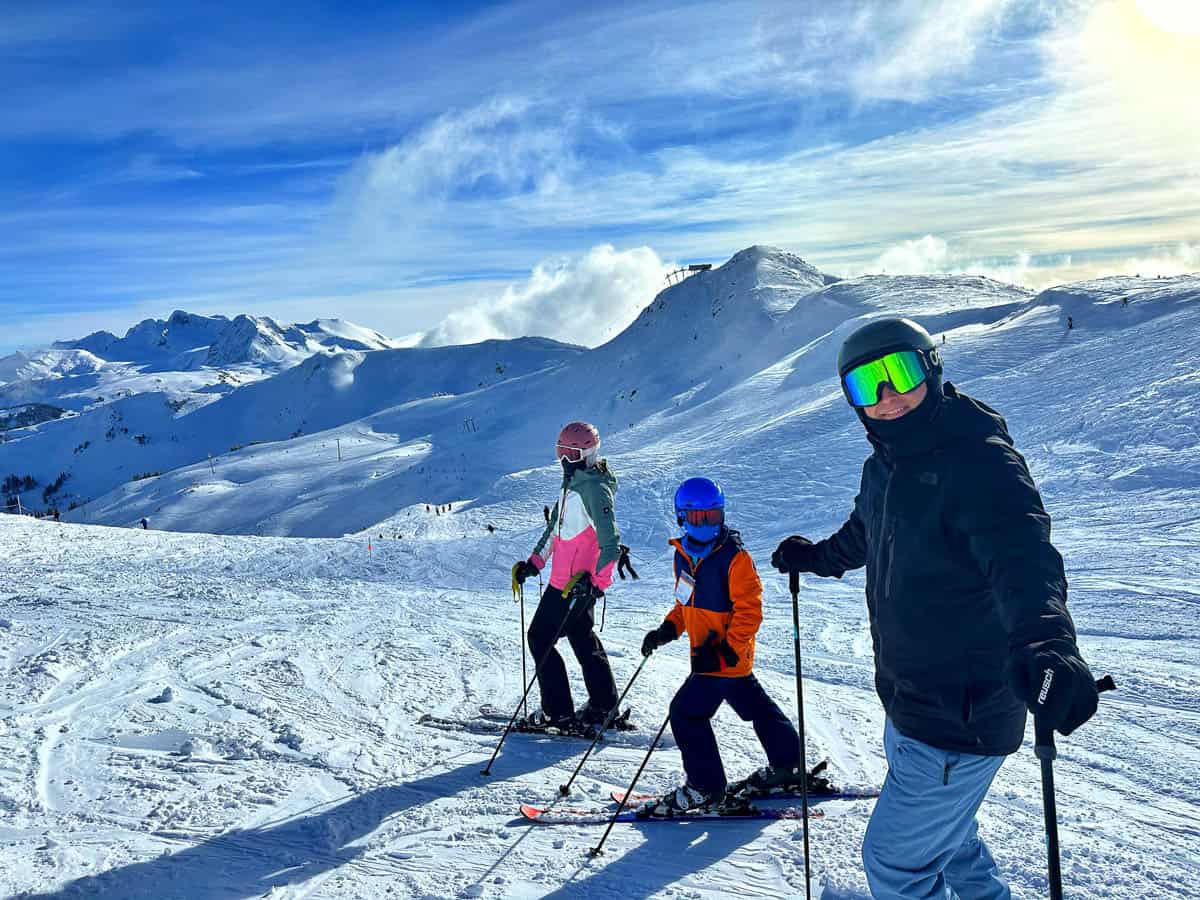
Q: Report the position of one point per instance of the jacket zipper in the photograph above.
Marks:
(888, 537)
(694, 566)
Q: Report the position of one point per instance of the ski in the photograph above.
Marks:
(543, 816)
(489, 723)
(633, 801)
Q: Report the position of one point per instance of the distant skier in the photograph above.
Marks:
(1124, 302)
(145, 523)
(1070, 323)
(625, 565)
(718, 602)
(968, 608)
(583, 542)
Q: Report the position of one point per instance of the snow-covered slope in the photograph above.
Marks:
(288, 761)
(698, 339)
(173, 393)
(345, 439)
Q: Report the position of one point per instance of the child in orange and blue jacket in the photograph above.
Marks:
(718, 602)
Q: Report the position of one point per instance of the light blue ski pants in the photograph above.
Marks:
(923, 842)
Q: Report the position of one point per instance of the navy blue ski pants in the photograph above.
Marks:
(691, 722)
(579, 632)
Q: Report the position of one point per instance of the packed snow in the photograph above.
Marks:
(234, 713)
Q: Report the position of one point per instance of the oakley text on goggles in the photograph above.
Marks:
(904, 370)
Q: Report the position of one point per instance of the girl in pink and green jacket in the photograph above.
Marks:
(582, 544)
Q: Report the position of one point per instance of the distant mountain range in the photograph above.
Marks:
(246, 426)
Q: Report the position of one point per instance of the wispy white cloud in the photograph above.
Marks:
(917, 45)
(151, 167)
(932, 255)
(460, 171)
(859, 135)
(585, 300)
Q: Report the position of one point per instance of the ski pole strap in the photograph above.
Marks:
(603, 611)
(518, 590)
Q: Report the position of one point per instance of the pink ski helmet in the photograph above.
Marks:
(578, 442)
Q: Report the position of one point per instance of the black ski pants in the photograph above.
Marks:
(691, 723)
(579, 630)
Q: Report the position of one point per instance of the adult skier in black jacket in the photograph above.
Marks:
(967, 603)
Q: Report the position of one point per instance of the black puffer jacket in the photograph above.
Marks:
(960, 571)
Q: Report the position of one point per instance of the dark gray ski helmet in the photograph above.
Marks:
(883, 336)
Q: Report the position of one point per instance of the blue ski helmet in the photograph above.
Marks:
(700, 509)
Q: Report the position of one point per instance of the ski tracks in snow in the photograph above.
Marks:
(286, 761)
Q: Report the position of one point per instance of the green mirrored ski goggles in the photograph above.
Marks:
(904, 370)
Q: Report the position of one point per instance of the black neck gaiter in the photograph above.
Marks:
(912, 434)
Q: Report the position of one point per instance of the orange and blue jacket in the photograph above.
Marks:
(721, 593)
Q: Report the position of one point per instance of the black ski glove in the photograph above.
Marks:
(794, 554)
(1055, 683)
(524, 569)
(581, 592)
(663, 634)
(707, 657)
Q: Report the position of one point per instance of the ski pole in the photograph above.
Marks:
(794, 586)
(1043, 747)
(529, 685)
(564, 789)
(599, 848)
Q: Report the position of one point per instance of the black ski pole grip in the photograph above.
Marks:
(1105, 684)
(793, 581)
(1043, 740)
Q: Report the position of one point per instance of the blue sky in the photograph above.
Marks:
(395, 163)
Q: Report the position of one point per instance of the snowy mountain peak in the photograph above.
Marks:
(759, 284)
(53, 363)
(98, 343)
(185, 340)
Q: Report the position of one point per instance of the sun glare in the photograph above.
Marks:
(1145, 54)
(1174, 16)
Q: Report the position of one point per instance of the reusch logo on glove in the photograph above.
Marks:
(1045, 687)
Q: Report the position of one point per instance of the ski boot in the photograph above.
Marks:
(769, 781)
(592, 715)
(685, 799)
(593, 718)
(538, 721)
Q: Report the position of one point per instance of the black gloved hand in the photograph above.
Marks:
(707, 657)
(1055, 683)
(663, 634)
(794, 554)
(582, 592)
(524, 569)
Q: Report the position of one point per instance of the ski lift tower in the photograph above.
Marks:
(684, 272)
